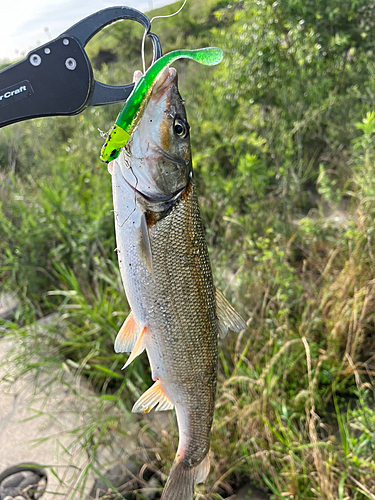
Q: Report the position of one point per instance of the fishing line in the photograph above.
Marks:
(135, 200)
(135, 191)
(145, 33)
(133, 188)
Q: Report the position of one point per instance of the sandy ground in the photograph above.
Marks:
(26, 436)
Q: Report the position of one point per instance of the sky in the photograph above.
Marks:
(26, 24)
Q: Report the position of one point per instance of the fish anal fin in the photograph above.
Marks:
(138, 348)
(152, 397)
(127, 335)
(202, 470)
(228, 317)
(145, 244)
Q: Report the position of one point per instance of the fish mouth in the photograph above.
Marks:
(158, 149)
(166, 78)
(163, 200)
(171, 158)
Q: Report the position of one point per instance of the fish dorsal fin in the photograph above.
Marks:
(127, 335)
(152, 397)
(138, 348)
(228, 317)
(145, 244)
(202, 470)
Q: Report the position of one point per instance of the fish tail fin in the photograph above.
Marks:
(180, 483)
(182, 478)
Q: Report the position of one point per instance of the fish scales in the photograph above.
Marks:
(185, 296)
(177, 315)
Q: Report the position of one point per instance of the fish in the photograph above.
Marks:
(177, 314)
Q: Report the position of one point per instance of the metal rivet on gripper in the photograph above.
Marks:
(71, 63)
(35, 59)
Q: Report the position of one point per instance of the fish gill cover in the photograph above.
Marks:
(130, 114)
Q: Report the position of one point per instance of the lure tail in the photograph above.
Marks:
(182, 478)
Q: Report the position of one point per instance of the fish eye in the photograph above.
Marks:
(181, 128)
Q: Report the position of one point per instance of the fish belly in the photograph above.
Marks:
(134, 273)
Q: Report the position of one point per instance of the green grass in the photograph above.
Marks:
(283, 141)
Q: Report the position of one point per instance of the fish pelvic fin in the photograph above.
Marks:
(202, 470)
(152, 397)
(228, 317)
(138, 348)
(127, 336)
(180, 483)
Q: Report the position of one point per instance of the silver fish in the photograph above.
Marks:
(177, 315)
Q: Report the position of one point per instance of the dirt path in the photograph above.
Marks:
(30, 430)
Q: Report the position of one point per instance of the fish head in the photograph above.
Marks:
(156, 161)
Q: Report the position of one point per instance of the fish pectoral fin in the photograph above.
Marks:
(138, 348)
(127, 336)
(152, 397)
(145, 244)
(228, 317)
(202, 470)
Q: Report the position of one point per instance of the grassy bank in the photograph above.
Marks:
(283, 148)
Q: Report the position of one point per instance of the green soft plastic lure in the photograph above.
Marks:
(131, 112)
